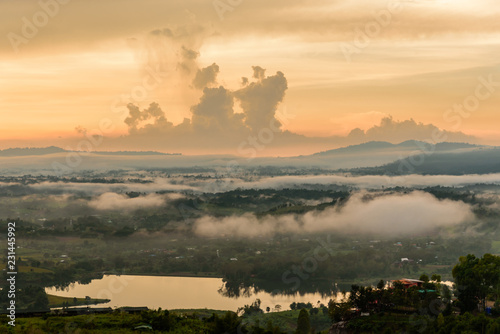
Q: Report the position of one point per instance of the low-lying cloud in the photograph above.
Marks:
(370, 181)
(278, 182)
(112, 201)
(101, 188)
(394, 214)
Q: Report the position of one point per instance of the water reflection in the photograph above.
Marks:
(233, 289)
(190, 292)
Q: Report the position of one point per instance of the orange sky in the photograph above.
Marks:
(419, 61)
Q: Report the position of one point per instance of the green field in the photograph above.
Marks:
(287, 320)
(182, 321)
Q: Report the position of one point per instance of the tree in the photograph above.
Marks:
(436, 277)
(493, 328)
(270, 328)
(252, 308)
(160, 319)
(362, 297)
(303, 322)
(440, 320)
(229, 323)
(339, 311)
(475, 278)
(41, 302)
(424, 278)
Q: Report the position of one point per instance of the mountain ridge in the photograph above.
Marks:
(369, 146)
(31, 151)
(383, 145)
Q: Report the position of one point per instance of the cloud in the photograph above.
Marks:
(81, 130)
(398, 131)
(213, 121)
(113, 201)
(102, 188)
(394, 214)
(169, 62)
(215, 114)
(369, 181)
(215, 125)
(173, 53)
(259, 73)
(171, 49)
(206, 76)
(152, 113)
(277, 182)
(104, 20)
(259, 100)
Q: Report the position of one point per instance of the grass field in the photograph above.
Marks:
(287, 320)
(99, 323)
(26, 269)
(118, 322)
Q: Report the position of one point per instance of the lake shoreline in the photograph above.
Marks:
(176, 274)
(174, 292)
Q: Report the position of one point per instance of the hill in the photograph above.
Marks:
(20, 152)
(29, 151)
(382, 146)
(478, 161)
(367, 158)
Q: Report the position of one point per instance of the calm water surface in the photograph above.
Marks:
(176, 293)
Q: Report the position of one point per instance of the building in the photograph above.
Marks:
(408, 283)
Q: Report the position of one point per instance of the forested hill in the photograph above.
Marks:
(479, 161)
(409, 145)
(17, 152)
(31, 151)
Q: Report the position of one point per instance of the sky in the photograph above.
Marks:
(204, 77)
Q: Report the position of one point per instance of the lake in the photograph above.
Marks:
(177, 293)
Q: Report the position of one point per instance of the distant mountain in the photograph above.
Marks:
(369, 158)
(373, 154)
(369, 146)
(382, 146)
(29, 151)
(19, 152)
(133, 153)
(483, 160)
